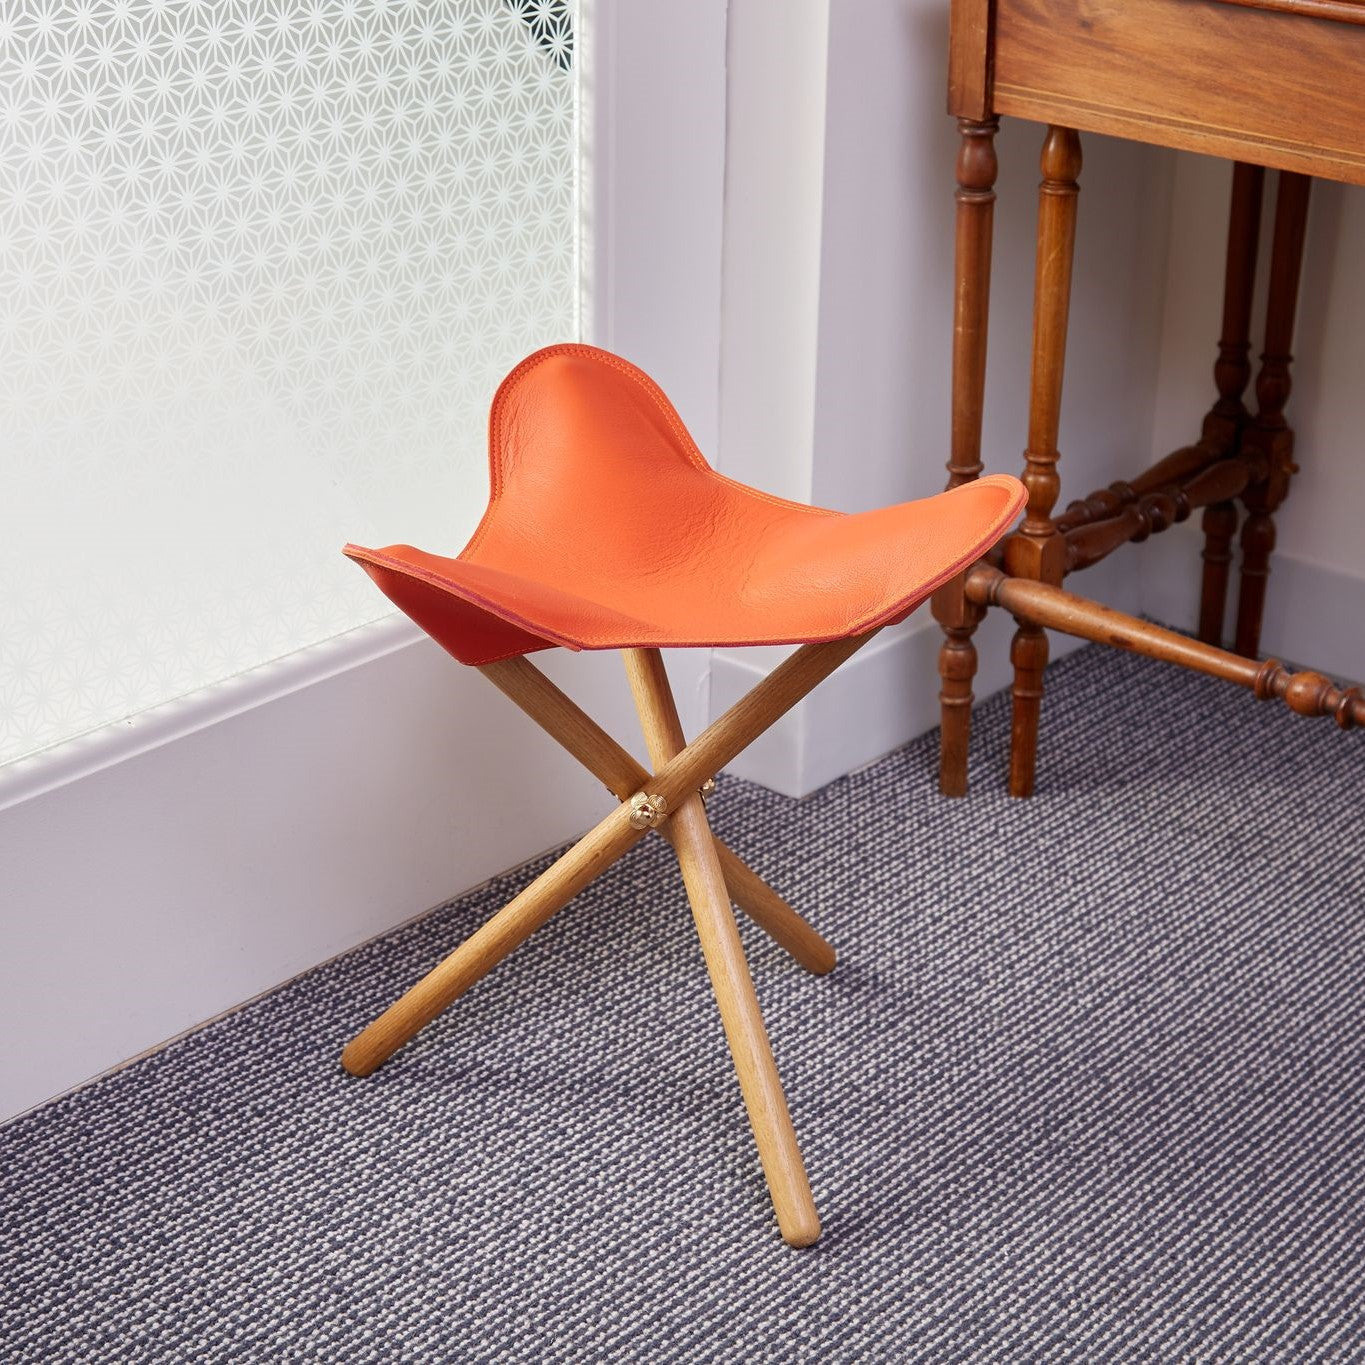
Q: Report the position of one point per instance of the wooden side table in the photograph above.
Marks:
(1267, 83)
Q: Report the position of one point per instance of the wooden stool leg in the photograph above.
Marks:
(729, 972)
(1036, 550)
(674, 783)
(488, 945)
(976, 170)
(560, 717)
(770, 912)
(1270, 434)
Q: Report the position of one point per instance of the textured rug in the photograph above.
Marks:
(1088, 1084)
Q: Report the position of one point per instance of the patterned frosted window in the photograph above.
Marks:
(262, 263)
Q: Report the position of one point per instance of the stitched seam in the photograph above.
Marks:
(785, 503)
(599, 640)
(435, 580)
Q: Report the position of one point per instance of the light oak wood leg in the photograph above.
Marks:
(752, 714)
(675, 781)
(488, 945)
(739, 1010)
(770, 912)
(560, 717)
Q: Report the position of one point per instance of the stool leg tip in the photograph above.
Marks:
(356, 1061)
(802, 1232)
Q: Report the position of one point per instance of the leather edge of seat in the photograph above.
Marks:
(898, 610)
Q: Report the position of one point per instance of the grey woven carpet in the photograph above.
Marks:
(1088, 1084)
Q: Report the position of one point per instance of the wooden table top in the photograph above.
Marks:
(1276, 82)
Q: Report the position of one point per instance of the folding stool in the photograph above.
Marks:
(607, 529)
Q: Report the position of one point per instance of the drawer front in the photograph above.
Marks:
(1279, 86)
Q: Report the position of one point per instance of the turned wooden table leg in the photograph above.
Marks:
(1270, 434)
(1231, 373)
(1037, 550)
(1219, 525)
(976, 170)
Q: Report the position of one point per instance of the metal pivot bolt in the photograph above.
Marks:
(707, 788)
(647, 811)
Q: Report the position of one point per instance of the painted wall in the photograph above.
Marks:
(1315, 601)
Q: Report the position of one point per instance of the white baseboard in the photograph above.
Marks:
(161, 873)
(1314, 615)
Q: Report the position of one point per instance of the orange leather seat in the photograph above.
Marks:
(607, 529)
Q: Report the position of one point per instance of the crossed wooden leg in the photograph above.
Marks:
(670, 794)
(724, 954)
(523, 683)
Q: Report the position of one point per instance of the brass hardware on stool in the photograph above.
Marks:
(646, 812)
(707, 788)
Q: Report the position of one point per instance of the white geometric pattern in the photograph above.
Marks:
(261, 267)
